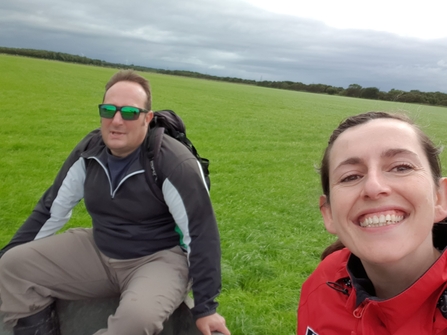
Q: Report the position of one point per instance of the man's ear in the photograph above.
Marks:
(149, 116)
(441, 201)
(326, 212)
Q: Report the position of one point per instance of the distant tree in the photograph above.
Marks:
(353, 90)
(286, 85)
(317, 88)
(339, 89)
(382, 95)
(393, 94)
(298, 86)
(369, 93)
(411, 97)
(264, 83)
(332, 90)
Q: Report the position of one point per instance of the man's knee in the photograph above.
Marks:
(8, 264)
(139, 320)
(13, 263)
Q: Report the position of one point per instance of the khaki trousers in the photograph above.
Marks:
(69, 266)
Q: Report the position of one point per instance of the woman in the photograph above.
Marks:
(383, 192)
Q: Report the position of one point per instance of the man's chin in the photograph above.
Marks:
(115, 145)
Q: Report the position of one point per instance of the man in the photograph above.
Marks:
(144, 248)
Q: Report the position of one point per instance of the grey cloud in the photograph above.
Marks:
(230, 38)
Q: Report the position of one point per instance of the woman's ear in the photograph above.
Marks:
(326, 212)
(441, 201)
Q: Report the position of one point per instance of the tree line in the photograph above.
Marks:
(353, 90)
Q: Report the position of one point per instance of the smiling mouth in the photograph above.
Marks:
(381, 220)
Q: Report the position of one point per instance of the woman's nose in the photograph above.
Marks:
(375, 185)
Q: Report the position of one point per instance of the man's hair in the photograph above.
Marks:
(132, 76)
(430, 149)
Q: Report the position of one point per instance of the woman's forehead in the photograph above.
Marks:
(375, 135)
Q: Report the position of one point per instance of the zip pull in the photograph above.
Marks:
(358, 312)
(343, 288)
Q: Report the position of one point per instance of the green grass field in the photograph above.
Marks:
(263, 145)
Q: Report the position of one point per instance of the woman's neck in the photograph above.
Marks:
(391, 279)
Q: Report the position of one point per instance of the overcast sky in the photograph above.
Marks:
(385, 44)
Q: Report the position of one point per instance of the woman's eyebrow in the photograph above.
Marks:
(350, 161)
(386, 154)
(394, 152)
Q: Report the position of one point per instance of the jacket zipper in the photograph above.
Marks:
(113, 192)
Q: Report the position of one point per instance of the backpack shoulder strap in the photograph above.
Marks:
(90, 140)
(174, 126)
(152, 145)
(168, 122)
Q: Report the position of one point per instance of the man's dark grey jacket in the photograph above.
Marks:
(132, 220)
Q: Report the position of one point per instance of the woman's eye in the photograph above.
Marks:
(402, 168)
(349, 178)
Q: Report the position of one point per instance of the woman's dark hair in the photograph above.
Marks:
(431, 151)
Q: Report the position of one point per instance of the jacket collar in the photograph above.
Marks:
(423, 295)
(99, 153)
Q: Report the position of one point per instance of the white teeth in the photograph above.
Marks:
(381, 220)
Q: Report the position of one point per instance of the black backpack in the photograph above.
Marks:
(168, 122)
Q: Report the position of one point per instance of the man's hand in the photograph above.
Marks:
(210, 323)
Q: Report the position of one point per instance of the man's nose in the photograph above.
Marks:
(117, 118)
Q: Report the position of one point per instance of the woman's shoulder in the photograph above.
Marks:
(331, 269)
(326, 292)
(334, 262)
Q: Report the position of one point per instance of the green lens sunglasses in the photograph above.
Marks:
(127, 112)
